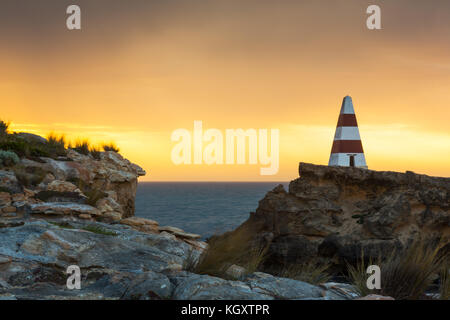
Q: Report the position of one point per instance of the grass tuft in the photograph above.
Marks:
(82, 147)
(228, 249)
(405, 274)
(444, 285)
(313, 272)
(95, 152)
(110, 147)
(29, 176)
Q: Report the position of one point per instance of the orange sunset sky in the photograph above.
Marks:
(138, 70)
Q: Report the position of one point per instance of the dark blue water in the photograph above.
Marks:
(205, 208)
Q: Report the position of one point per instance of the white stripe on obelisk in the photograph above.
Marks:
(347, 133)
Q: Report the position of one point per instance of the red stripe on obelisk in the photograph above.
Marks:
(347, 120)
(347, 146)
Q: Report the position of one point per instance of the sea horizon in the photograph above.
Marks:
(201, 207)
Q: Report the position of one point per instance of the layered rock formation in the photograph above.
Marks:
(78, 185)
(335, 213)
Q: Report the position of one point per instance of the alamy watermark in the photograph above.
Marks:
(212, 146)
(374, 280)
(73, 21)
(74, 279)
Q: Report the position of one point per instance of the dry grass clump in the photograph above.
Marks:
(313, 271)
(405, 274)
(444, 283)
(110, 147)
(29, 176)
(86, 148)
(233, 248)
(82, 146)
(56, 145)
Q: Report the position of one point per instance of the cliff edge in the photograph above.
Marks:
(335, 213)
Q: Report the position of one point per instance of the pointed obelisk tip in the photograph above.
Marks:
(347, 106)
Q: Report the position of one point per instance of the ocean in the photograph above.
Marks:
(205, 208)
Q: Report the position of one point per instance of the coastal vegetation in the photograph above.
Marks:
(15, 145)
(232, 248)
(313, 271)
(405, 274)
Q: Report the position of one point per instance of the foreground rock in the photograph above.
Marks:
(119, 262)
(332, 213)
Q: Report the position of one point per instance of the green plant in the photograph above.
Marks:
(29, 176)
(313, 272)
(4, 126)
(63, 225)
(190, 263)
(30, 149)
(56, 145)
(95, 153)
(231, 248)
(8, 158)
(93, 195)
(5, 189)
(358, 275)
(110, 147)
(444, 286)
(82, 147)
(99, 230)
(405, 274)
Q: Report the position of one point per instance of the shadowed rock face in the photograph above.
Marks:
(334, 212)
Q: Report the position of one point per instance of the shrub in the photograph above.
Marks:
(29, 176)
(231, 248)
(95, 153)
(92, 194)
(15, 144)
(110, 147)
(29, 149)
(53, 139)
(405, 274)
(8, 158)
(56, 145)
(313, 272)
(4, 126)
(82, 147)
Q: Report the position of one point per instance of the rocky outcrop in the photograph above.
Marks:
(120, 262)
(332, 213)
(102, 188)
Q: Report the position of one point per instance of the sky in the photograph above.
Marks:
(141, 69)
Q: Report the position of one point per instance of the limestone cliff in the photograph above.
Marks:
(334, 212)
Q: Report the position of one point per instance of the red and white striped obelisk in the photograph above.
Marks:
(347, 148)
